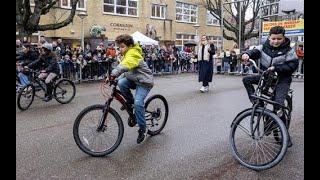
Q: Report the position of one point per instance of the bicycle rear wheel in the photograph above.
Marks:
(25, 97)
(156, 113)
(64, 91)
(256, 148)
(95, 143)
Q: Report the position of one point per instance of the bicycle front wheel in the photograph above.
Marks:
(89, 139)
(156, 113)
(25, 97)
(252, 142)
(64, 91)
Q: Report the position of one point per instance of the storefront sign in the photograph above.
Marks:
(292, 27)
(122, 27)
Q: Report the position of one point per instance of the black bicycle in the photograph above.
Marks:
(98, 129)
(64, 90)
(258, 137)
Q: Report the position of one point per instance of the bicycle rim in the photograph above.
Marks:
(89, 139)
(156, 114)
(25, 97)
(64, 91)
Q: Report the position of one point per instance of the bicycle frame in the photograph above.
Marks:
(263, 89)
(118, 96)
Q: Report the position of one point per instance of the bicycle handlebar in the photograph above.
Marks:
(260, 70)
(255, 65)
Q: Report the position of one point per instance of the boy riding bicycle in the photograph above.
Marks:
(137, 75)
(275, 55)
(48, 65)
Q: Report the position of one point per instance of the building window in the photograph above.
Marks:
(121, 7)
(81, 5)
(211, 20)
(183, 38)
(265, 11)
(217, 41)
(274, 9)
(65, 3)
(158, 11)
(186, 12)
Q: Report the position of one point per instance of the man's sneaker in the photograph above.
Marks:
(206, 88)
(202, 89)
(47, 98)
(142, 133)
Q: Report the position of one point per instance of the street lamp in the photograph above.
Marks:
(196, 26)
(82, 15)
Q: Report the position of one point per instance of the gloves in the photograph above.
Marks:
(110, 78)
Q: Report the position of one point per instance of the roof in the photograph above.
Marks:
(143, 39)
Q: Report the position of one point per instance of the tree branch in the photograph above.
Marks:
(27, 11)
(19, 12)
(251, 35)
(229, 37)
(49, 5)
(233, 15)
(60, 24)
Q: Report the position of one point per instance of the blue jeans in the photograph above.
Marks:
(226, 66)
(141, 93)
(23, 79)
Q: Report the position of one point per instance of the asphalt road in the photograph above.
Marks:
(193, 145)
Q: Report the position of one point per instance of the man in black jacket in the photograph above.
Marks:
(275, 55)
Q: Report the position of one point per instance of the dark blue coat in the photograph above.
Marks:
(206, 67)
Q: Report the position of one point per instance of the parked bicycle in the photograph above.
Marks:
(64, 90)
(258, 137)
(98, 129)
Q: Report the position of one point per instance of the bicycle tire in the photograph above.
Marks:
(21, 94)
(153, 98)
(80, 143)
(57, 86)
(279, 156)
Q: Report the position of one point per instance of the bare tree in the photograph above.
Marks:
(27, 21)
(231, 15)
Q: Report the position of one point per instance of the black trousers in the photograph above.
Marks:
(281, 89)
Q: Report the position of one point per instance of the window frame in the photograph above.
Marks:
(115, 10)
(212, 24)
(216, 41)
(182, 39)
(77, 8)
(182, 14)
(164, 6)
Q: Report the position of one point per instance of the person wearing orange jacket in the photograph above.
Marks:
(300, 54)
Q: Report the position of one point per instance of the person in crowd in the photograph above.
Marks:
(205, 53)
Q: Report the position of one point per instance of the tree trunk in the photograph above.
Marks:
(27, 22)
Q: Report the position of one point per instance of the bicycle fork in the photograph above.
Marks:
(256, 128)
(104, 115)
